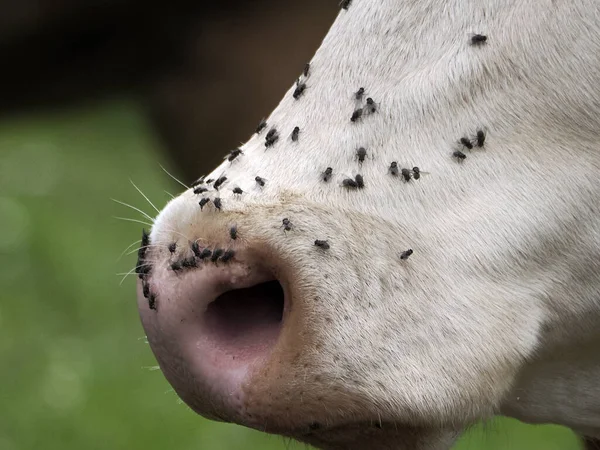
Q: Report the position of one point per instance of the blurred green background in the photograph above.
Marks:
(75, 370)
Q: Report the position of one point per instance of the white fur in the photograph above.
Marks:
(498, 309)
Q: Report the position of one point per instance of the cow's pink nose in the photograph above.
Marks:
(211, 325)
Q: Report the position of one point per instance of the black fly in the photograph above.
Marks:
(200, 190)
(459, 155)
(238, 191)
(325, 176)
(198, 181)
(404, 255)
(217, 203)
(261, 126)
(217, 254)
(322, 244)
(217, 184)
(360, 183)
(271, 137)
(393, 170)
(300, 87)
(203, 202)
(361, 154)
(234, 154)
(466, 142)
(478, 39)
(349, 183)
(260, 181)
(286, 224)
(227, 256)
(172, 247)
(405, 174)
(357, 114)
(358, 95)
(480, 138)
(233, 232)
(295, 133)
(306, 69)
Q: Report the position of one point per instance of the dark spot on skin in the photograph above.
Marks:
(145, 238)
(172, 247)
(459, 155)
(205, 253)
(406, 254)
(146, 289)
(217, 254)
(300, 88)
(152, 302)
(217, 203)
(227, 256)
(203, 202)
(378, 425)
(306, 69)
(261, 126)
(478, 39)
(466, 142)
(217, 184)
(326, 176)
(141, 268)
(234, 154)
(357, 114)
(345, 4)
(322, 244)
(295, 133)
(237, 190)
(233, 232)
(198, 181)
(314, 426)
(200, 190)
(260, 181)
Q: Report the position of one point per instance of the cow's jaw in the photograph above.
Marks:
(354, 343)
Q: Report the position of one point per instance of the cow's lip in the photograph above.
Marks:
(213, 328)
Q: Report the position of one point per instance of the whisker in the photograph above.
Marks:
(151, 368)
(127, 248)
(134, 208)
(169, 194)
(127, 219)
(135, 250)
(167, 172)
(144, 195)
(131, 272)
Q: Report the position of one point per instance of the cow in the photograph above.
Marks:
(407, 244)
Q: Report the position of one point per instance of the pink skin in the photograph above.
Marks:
(208, 350)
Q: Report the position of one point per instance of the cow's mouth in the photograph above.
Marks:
(245, 323)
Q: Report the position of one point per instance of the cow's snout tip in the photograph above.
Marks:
(211, 327)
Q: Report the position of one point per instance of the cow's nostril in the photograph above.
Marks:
(245, 322)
